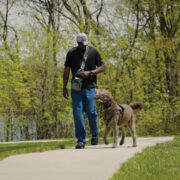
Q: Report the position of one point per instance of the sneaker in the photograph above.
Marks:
(94, 139)
(80, 145)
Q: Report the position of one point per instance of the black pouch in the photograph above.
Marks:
(76, 84)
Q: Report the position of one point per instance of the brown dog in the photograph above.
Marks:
(116, 116)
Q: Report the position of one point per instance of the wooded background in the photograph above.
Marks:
(138, 40)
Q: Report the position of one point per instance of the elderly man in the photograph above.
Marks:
(85, 63)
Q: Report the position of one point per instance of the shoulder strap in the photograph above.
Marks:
(83, 62)
(84, 58)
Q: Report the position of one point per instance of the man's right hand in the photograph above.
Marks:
(65, 93)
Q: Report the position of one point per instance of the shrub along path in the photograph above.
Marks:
(93, 162)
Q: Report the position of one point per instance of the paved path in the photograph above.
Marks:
(92, 163)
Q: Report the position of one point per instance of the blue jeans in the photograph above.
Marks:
(83, 101)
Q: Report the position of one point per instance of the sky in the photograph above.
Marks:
(20, 15)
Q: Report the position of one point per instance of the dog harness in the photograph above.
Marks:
(118, 108)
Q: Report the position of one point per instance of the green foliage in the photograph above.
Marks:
(159, 162)
(51, 112)
(141, 59)
(14, 93)
(146, 68)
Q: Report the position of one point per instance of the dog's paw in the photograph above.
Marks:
(114, 146)
(134, 145)
(121, 143)
(106, 141)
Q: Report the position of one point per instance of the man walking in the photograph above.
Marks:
(85, 63)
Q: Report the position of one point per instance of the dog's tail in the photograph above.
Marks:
(136, 105)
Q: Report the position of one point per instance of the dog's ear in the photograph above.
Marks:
(106, 96)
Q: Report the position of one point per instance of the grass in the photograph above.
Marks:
(160, 162)
(7, 150)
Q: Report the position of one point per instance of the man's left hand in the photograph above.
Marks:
(85, 74)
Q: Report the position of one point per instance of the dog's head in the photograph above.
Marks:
(102, 96)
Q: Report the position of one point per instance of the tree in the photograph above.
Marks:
(78, 13)
(14, 97)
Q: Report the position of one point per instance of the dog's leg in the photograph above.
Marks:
(122, 136)
(105, 134)
(133, 131)
(115, 134)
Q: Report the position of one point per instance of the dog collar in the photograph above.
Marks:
(107, 106)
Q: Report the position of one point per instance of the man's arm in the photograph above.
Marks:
(98, 70)
(65, 81)
(94, 72)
